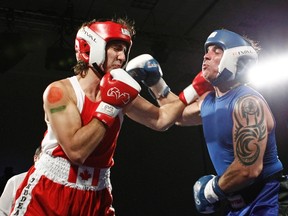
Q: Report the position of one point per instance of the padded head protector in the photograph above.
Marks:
(238, 56)
(91, 41)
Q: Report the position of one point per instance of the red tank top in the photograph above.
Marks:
(102, 156)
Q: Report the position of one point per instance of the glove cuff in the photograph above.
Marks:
(212, 191)
(217, 189)
(188, 95)
(159, 90)
(106, 113)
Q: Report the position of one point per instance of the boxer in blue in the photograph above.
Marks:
(239, 130)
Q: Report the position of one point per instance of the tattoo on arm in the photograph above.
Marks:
(250, 129)
(55, 94)
(58, 109)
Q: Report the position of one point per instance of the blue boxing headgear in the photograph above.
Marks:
(237, 57)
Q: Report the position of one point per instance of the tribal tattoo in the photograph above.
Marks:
(250, 128)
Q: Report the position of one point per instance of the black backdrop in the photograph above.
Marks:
(154, 171)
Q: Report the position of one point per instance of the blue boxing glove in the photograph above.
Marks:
(146, 69)
(208, 194)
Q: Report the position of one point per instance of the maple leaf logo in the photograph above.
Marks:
(85, 175)
(115, 92)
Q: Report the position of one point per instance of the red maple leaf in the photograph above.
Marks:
(85, 175)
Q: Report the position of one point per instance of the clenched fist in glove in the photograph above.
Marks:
(207, 194)
(117, 90)
(198, 87)
(146, 69)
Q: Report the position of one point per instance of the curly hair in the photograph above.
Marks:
(82, 67)
(255, 44)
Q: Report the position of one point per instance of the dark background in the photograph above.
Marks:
(154, 172)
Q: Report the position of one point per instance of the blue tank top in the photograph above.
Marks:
(217, 120)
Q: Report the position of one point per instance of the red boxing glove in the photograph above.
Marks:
(117, 89)
(198, 87)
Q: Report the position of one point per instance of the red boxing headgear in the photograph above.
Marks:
(91, 41)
